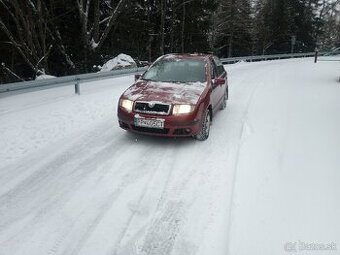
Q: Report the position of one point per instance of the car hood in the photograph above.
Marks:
(165, 92)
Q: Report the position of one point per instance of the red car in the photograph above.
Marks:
(178, 95)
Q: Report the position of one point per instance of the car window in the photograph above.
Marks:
(176, 70)
(220, 70)
(218, 61)
(214, 71)
(219, 67)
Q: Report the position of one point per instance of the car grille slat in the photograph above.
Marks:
(152, 108)
(151, 130)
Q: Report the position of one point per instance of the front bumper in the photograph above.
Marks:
(174, 126)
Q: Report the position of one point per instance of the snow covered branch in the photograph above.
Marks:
(11, 72)
(96, 29)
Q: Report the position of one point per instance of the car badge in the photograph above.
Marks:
(151, 105)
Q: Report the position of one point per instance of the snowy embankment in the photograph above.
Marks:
(287, 189)
(119, 62)
(73, 182)
(45, 77)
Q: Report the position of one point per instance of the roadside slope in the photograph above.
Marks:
(287, 184)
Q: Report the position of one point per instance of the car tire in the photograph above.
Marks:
(205, 129)
(225, 98)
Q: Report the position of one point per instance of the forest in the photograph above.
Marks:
(63, 37)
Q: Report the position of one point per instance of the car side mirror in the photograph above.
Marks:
(219, 81)
(137, 76)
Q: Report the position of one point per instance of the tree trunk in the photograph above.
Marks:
(96, 21)
(149, 45)
(232, 28)
(162, 26)
(230, 46)
(183, 28)
(112, 20)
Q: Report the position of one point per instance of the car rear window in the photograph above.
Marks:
(177, 70)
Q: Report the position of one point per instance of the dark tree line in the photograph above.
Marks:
(61, 37)
(246, 27)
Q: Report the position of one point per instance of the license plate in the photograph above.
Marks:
(150, 123)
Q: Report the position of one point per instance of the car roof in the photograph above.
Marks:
(198, 56)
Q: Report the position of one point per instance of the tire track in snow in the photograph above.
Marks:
(45, 176)
(14, 175)
(159, 236)
(79, 173)
(169, 154)
(162, 234)
(160, 160)
(242, 135)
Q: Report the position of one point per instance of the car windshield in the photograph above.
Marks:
(177, 70)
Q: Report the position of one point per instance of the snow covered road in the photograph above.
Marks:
(73, 182)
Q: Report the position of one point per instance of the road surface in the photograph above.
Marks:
(73, 182)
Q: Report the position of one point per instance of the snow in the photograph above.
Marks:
(121, 61)
(93, 44)
(44, 77)
(171, 92)
(73, 182)
(288, 166)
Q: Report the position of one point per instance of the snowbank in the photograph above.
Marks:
(119, 62)
(45, 76)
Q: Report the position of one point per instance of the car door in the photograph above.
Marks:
(217, 90)
(222, 73)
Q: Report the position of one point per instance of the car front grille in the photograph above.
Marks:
(152, 108)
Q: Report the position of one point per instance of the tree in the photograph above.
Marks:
(166, 26)
(26, 26)
(328, 32)
(66, 37)
(233, 27)
(97, 18)
(27, 31)
(277, 22)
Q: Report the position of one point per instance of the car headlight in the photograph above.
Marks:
(126, 104)
(182, 109)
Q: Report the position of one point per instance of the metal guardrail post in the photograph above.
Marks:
(76, 87)
(316, 56)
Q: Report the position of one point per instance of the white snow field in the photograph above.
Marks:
(267, 181)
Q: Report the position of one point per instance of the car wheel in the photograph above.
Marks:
(205, 129)
(225, 98)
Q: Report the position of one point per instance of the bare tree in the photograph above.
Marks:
(29, 32)
(183, 26)
(330, 14)
(29, 35)
(4, 67)
(233, 24)
(96, 27)
(163, 6)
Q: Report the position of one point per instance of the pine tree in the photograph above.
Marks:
(328, 29)
(233, 28)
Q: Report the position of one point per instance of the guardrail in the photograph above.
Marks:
(20, 87)
(267, 57)
(65, 80)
